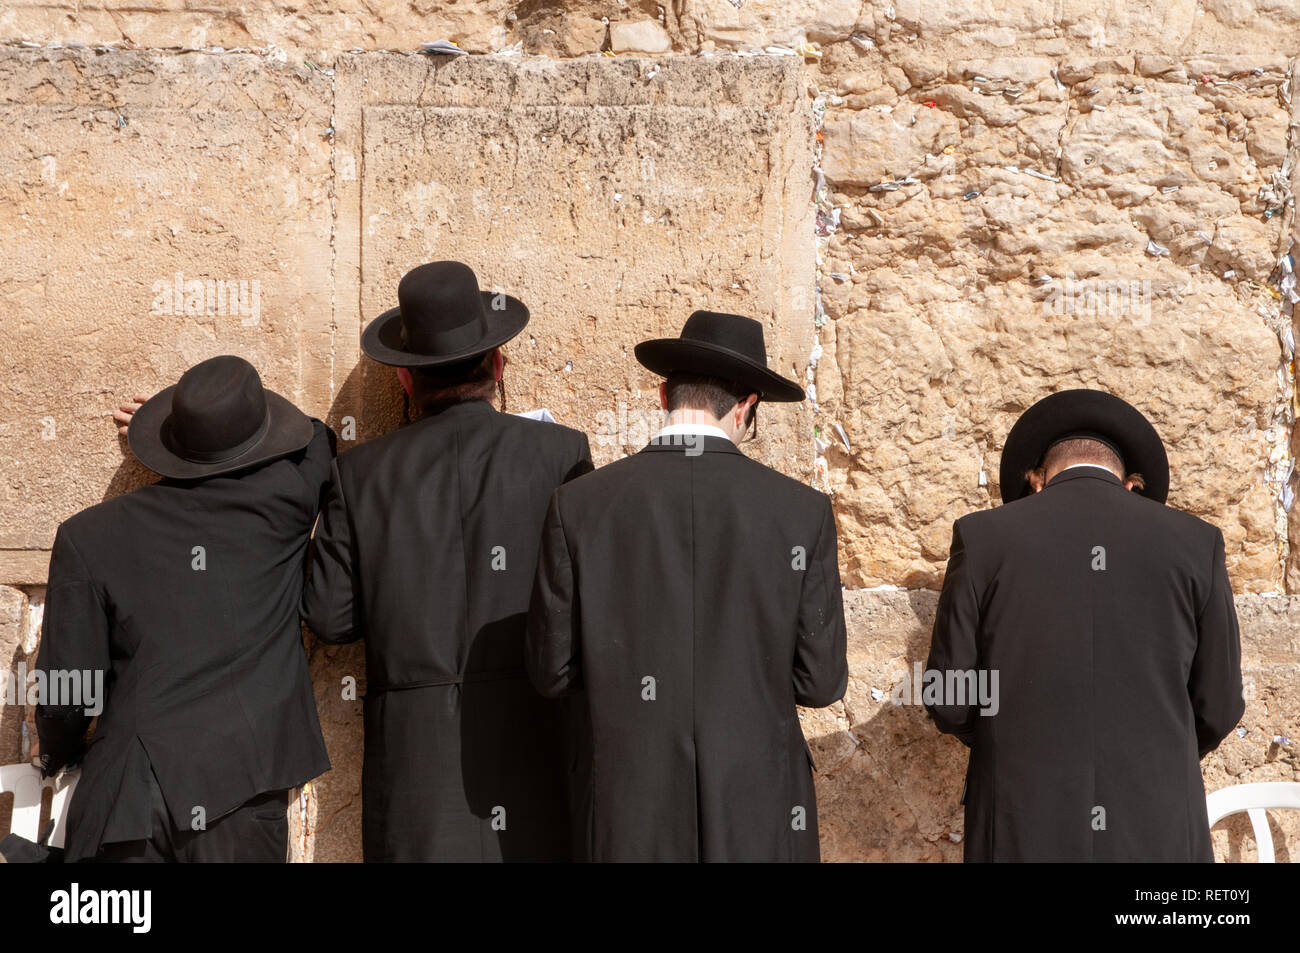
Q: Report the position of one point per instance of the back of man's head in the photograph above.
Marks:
(1077, 450)
(453, 383)
(711, 394)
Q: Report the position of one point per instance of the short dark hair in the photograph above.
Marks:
(1082, 450)
(453, 383)
(702, 392)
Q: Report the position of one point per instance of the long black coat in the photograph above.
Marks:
(426, 548)
(1113, 682)
(696, 599)
(186, 594)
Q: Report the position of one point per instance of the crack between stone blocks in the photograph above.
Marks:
(1278, 475)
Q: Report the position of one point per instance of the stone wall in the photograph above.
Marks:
(942, 210)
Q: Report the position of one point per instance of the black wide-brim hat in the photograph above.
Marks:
(726, 346)
(217, 419)
(442, 318)
(1084, 413)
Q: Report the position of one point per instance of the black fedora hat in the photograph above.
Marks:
(728, 346)
(216, 419)
(1084, 413)
(442, 318)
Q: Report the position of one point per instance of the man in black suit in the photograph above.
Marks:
(693, 595)
(1108, 620)
(426, 549)
(183, 597)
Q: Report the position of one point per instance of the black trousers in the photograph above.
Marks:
(256, 832)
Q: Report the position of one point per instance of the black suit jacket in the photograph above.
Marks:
(1113, 682)
(695, 597)
(426, 549)
(185, 594)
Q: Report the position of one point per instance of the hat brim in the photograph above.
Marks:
(665, 356)
(289, 431)
(1069, 411)
(382, 339)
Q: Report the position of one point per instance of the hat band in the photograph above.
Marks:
(450, 341)
(230, 453)
(1087, 435)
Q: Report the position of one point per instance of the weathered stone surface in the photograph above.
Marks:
(333, 801)
(320, 30)
(889, 784)
(13, 631)
(614, 197)
(123, 171)
(1111, 232)
(639, 36)
(13, 605)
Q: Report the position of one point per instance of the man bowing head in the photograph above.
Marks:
(694, 595)
(1105, 619)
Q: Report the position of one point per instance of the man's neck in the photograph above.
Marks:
(689, 420)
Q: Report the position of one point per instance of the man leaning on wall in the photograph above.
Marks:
(426, 549)
(183, 595)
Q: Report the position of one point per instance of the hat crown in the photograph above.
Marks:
(218, 405)
(736, 332)
(441, 306)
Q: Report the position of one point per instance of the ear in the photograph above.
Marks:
(404, 375)
(742, 409)
(498, 364)
(663, 395)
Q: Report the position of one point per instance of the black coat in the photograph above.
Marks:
(679, 575)
(426, 549)
(206, 676)
(1113, 682)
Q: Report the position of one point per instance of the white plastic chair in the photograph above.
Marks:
(1254, 799)
(25, 783)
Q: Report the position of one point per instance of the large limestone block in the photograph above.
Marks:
(639, 36)
(1112, 231)
(123, 171)
(889, 785)
(613, 196)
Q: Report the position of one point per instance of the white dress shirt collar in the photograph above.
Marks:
(1097, 465)
(701, 430)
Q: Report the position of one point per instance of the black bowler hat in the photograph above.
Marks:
(442, 318)
(216, 419)
(727, 346)
(1093, 414)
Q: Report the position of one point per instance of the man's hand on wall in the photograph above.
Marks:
(125, 412)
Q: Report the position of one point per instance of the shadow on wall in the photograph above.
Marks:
(338, 677)
(374, 400)
(11, 729)
(888, 788)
